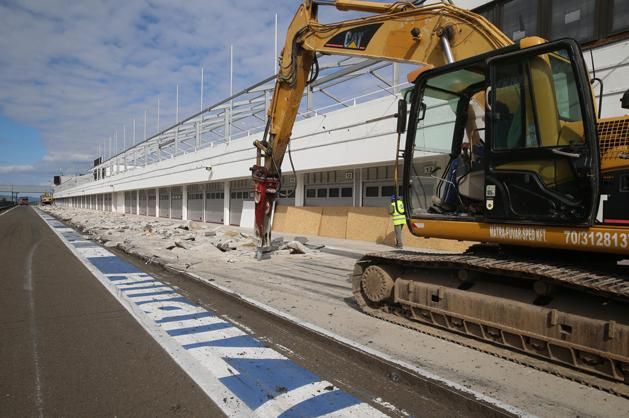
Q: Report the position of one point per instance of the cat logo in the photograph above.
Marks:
(355, 38)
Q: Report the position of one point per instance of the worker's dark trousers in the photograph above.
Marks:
(398, 236)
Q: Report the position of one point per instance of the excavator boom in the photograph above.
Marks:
(431, 35)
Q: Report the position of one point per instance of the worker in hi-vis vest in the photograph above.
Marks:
(398, 216)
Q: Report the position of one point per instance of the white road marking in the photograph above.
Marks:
(93, 252)
(5, 212)
(28, 286)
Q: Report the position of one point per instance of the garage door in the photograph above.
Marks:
(176, 202)
(214, 198)
(378, 194)
(134, 202)
(235, 204)
(164, 203)
(151, 200)
(330, 195)
(142, 202)
(127, 202)
(195, 202)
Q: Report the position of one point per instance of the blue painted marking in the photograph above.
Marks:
(257, 380)
(243, 341)
(179, 299)
(197, 315)
(116, 278)
(161, 292)
(199, 329)
(112, 265)
(321, 405)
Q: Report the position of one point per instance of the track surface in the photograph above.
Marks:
(67, 347)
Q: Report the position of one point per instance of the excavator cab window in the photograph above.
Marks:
(510, 137)
(542, 157)
(446, 174)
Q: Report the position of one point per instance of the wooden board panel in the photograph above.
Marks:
(279, 218)
(367, 224)
(334, 222)
(300, 220)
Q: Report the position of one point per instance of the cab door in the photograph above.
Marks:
(543, 161)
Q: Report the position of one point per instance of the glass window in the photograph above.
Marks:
(555, 105)
(233, 195)
(311, 193)
(573, 19)
(322, 192)
(346, 192)
(621, 16)
(334, 192)
(519, 19)
(372, 191)
(388, 191)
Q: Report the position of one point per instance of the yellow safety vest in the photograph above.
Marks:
(399, 218)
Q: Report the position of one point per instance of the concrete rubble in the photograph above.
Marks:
(178, 244)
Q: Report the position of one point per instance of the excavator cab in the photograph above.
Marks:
(509, 136)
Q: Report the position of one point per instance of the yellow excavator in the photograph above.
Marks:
(517, 161)
(46, 199)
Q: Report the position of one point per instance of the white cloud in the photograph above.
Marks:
(10, 169)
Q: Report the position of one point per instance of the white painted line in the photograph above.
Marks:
(131, 292)
(93, 252)
(250, 353)
(421, 372)
(210, 320)
(5, 212)
(28, 286)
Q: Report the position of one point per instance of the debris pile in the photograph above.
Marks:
(170, 242)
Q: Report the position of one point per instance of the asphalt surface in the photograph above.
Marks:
(67, 347)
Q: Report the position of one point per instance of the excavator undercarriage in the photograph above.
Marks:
(571, 314)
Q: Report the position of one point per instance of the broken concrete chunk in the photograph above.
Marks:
(302, 240)
(110, 244)
(226, 245)
(181, 244)
(295, 247)
(148, 228)
(210, 233)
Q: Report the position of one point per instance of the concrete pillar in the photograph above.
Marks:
(184, 202)
(157, 202)
(137, 202)
(358, 187)
(300, 189)
(227, 188)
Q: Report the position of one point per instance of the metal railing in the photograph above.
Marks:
(245, 112)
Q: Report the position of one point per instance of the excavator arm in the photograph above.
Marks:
(432, 35)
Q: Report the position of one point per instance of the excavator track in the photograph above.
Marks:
(592, 348)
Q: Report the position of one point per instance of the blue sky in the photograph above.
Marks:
(74, 72)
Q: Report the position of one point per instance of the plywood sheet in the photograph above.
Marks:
(333, 222)
(279, 218)
(300, 220)
(367, 224)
